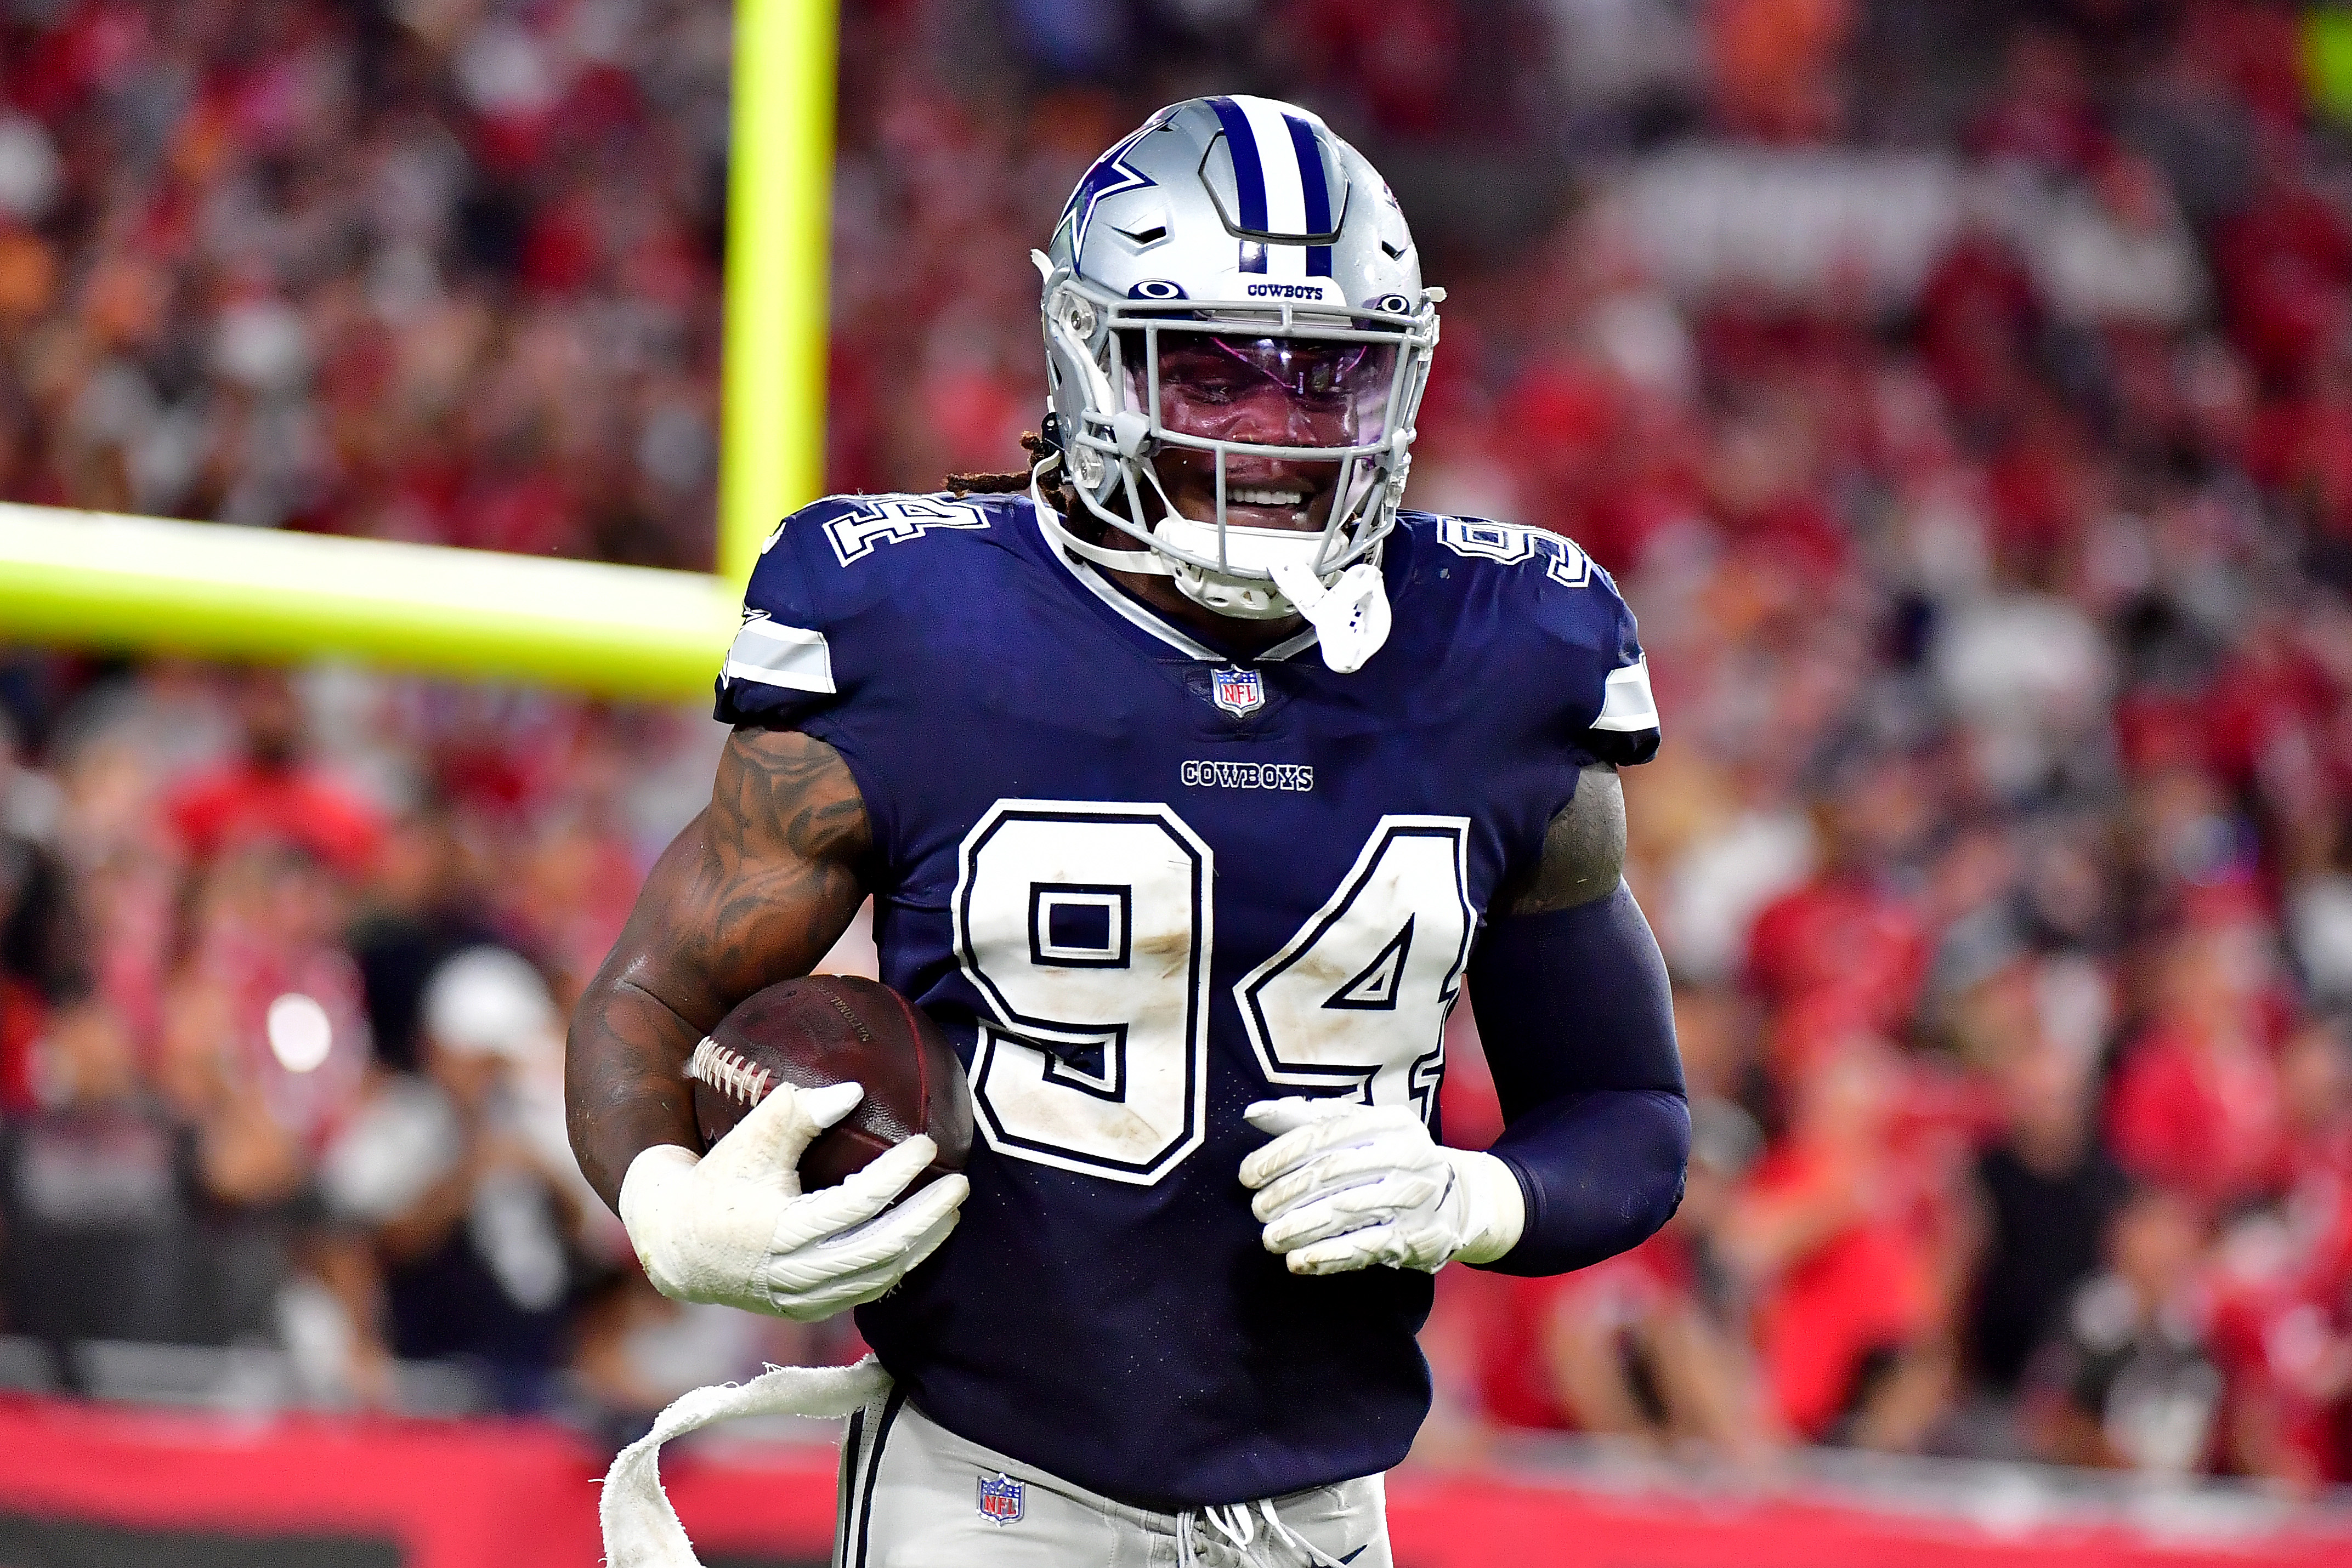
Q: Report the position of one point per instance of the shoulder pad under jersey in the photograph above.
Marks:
(1563, 612)
(827, 581)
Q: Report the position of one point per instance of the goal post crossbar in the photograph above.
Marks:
(97, 581)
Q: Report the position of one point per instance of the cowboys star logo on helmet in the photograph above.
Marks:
(1231, 243)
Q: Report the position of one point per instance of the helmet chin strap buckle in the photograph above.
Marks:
(1351, 617)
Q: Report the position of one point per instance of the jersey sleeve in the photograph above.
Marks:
(1571, 633)
(780, 671)
(1624, 728)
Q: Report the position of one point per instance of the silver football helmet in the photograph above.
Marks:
(1230, 250)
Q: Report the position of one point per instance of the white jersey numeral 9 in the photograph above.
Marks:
(1087, 928)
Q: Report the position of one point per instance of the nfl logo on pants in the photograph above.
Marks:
(1000, 1498)
(1240, 692)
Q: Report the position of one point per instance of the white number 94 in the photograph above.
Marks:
(1088, 928)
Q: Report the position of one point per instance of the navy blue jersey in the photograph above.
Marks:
(1142, 885)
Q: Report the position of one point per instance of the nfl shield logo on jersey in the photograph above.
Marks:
(1000, 1498)
(1239, 692)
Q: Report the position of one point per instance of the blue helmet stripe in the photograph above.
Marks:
(1249, 177)
(1318, 192)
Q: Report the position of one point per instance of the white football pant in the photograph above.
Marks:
(915, 1495)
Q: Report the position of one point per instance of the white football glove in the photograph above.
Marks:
(1345, 1185)
(733, 1227)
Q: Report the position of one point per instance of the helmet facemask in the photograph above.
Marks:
(1326, 396)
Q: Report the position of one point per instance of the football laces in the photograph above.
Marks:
(728, 1071)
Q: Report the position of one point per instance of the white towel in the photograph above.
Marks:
(641, 1528)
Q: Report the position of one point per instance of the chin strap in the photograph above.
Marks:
(1351, 617)
(1149, 562)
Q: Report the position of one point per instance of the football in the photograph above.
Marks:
(829, 1028)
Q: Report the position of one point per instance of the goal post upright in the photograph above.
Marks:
(779, 225)
(86, 580)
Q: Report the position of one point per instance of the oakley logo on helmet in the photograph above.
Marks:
(1157, 289)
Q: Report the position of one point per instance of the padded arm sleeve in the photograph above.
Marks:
(1577, 1017)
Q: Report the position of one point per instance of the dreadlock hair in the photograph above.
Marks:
(1004, 484)
(1053, 485)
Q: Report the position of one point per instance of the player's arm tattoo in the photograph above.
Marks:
(754, 890)
(1583, 851)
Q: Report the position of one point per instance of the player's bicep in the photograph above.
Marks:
(1583, 851)
(754, 891)
(758, 887)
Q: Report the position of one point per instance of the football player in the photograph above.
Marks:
(1189, 783)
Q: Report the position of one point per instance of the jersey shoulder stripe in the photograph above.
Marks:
(1626, 705)
(798, 657)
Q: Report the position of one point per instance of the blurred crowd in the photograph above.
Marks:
(440, 272)
(283, 978)
(1999, 845)
(2000, 848)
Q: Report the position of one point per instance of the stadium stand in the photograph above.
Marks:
(1961, 394)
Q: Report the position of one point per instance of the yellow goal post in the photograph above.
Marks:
(97, 581)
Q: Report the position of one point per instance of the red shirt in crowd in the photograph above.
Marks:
(2284, 260)
(244, 804)
(1517, 1316)
(1865, 1288)
(1843, 934)
(2283, 1323)
(21, 1017)
(2199, 1115)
